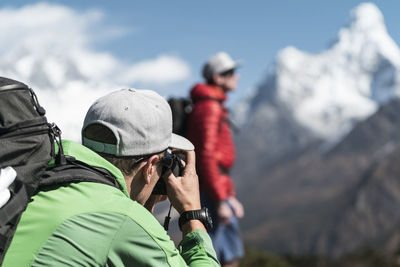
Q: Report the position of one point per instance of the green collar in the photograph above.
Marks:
(91, 158)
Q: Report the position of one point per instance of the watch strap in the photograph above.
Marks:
(201, 215)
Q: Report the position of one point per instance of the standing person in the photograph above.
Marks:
(127, 134)
(208, 127)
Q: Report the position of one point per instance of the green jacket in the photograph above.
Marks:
(92, 224)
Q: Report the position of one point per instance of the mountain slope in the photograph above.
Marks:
(332, 202)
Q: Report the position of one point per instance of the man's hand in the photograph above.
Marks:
(183, 191)
(224, 212)
(237, 207)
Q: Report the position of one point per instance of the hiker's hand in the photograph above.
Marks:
(237, 207)
(152, 201)
(183, 191)
(224, 212)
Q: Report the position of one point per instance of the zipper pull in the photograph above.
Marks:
(60, 157)
(38, 107)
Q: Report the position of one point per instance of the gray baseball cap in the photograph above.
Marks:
(141, 121)
(219, 63)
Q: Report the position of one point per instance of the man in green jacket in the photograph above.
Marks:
(128, 133)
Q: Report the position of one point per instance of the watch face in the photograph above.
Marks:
(208, 219)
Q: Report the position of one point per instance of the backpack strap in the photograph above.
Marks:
(199, 99)
(74, 172)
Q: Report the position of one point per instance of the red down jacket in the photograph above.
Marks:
(209, 130)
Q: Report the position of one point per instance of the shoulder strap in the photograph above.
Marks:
(199, 99)
(74, 172)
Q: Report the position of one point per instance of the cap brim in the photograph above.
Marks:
(238, 64)
(181, 143)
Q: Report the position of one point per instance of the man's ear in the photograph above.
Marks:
(150, 168)
(218, 79)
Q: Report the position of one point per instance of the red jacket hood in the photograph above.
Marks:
(201, 91)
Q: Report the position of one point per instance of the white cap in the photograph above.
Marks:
(141, 121)
(219, 63)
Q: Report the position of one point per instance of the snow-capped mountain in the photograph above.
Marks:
(327, 92)
(304, 197)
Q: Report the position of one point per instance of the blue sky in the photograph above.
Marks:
(253, 31)
(249, 30)
(136, 34)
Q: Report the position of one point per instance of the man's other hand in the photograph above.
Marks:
(224, 212)
(237, 207)
(183, 191)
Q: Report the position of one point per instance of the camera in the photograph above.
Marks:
(170, 162)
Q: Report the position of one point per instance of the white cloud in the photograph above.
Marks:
(163, 69)
(49, 47)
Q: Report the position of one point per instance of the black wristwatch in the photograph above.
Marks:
(201, 215)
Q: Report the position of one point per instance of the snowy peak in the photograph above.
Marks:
(328, 92)
(366, 34)
(366, 17)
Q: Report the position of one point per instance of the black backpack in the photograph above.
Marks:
(28, 143)
(182, 107)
